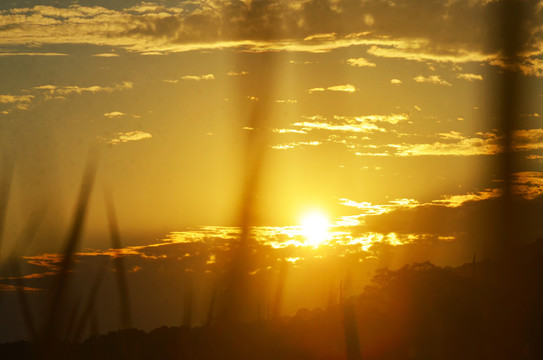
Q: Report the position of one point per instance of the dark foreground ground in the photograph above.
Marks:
(484, 310)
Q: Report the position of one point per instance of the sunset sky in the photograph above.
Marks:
(379, 116)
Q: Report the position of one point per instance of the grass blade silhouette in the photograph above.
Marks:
(211, 309)
(90, 306)
(120, 269)
(23, 242)
(50, 332)
(350, 327)
(26, 311)
(237, 276)
(72, 320)
(6, 178)
(188, 300)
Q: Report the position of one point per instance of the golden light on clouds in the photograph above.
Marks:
(360, 62)
(432, 79)
(130, 136)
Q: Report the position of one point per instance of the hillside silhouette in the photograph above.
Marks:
(481, 310)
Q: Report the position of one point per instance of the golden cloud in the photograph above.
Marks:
(469, 77)
(114, 114)
(528, 139)
(343, 88)
(199, 77)
(9, 288)
(240, 73)
(330, 36)
(464, 147)
(433, 79)
(152, 28)
(129, 136)
(360, 62)
(459, 200)
(106, 55)
(318, 89)
(60, 91)
(419, 50)
(294, 145)
(378, 209)
(31, 54)
(528, 184)
(11, 99)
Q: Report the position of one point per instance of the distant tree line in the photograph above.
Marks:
(481, 310)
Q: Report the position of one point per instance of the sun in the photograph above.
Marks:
(315, 227)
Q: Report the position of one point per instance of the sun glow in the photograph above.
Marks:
(315, 227)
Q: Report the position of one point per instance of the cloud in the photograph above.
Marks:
(114, 114)
(18, 102)
(472, 213)
(330, 36)
(286, 101)
(342, 88)
(454, 143)
(395, 81)
(360, 62)
(206, 249)
(129, 136)
(149, 7)
(452, 135)
(470, 216)
(348, 88)
(449, 201)
(199, 77)
(314, 90)
(529, 65)
(289, 131)
(343, 129)
(294, 145)
(528, 184)
(106, 55)
(358, 124)
(532, 67)
(459, 200)
(369, 209)
(439, 31)
(420, 50)
(469, 77)
(240, 73)
(528, 139)
(463, 147)
(31, 54)
(9, 288)
(49, 92)
(354, 127)
(346, 130)
(433, 79)
(60, 91)
(13, 99)
(451, 144)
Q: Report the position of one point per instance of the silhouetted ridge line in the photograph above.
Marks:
(418, 311)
